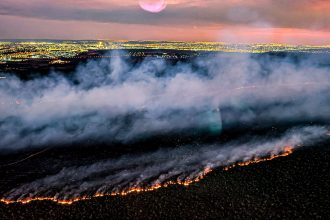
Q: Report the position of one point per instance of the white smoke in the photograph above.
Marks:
(114, 100)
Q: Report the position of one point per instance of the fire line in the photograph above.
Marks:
(285, 152)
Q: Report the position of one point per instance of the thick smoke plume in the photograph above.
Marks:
(122, 101)
(115, 100)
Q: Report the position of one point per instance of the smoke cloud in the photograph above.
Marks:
(115, 100)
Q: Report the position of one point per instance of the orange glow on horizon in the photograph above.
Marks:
(82, 30)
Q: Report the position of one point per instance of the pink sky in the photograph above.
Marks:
(234, 21)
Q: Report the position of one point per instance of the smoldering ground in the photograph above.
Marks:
(116, 100)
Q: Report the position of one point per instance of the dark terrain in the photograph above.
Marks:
(293, 187)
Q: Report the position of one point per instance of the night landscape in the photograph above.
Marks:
(215, 116)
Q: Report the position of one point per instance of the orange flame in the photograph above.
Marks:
(285, 152)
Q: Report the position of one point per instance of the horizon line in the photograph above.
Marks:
(169, 41)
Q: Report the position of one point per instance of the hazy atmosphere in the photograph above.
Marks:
(232, 21)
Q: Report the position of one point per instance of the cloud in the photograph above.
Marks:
(303, 14)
